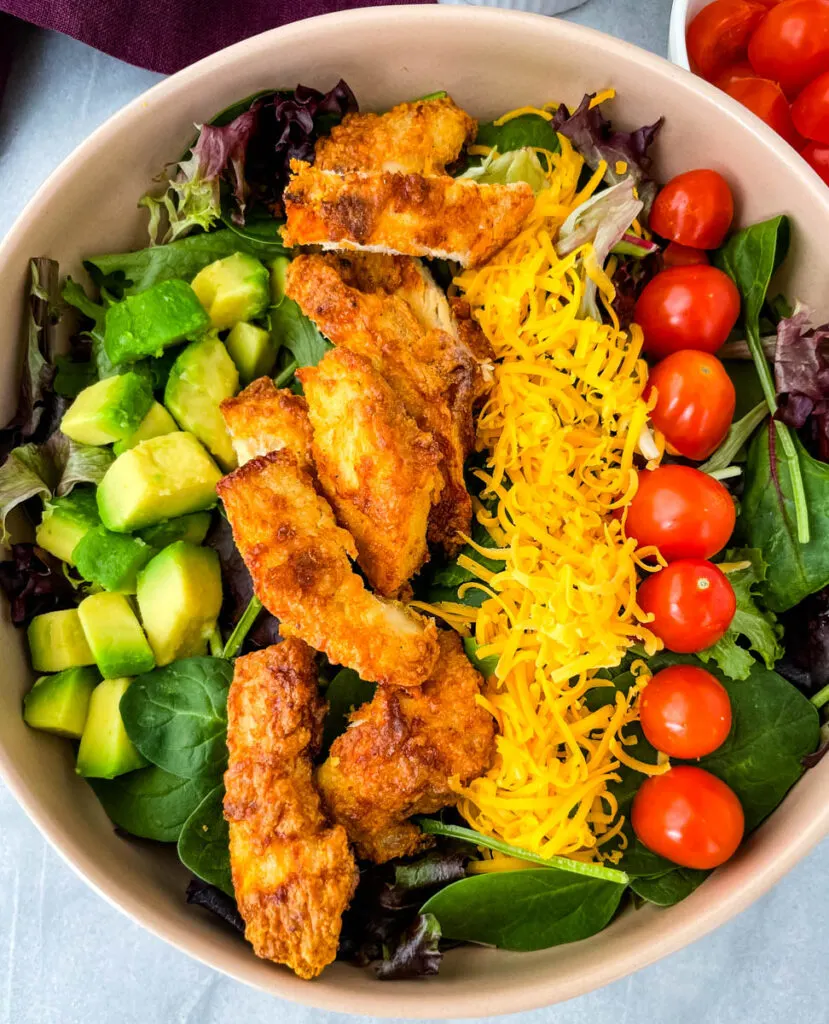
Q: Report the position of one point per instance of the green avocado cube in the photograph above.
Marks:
(202, 377)
(108, 410)
(156, 480)
(57, 641)
(252, 350)
(112, 560)
(278, 269)
(66, 520)
(115, 636)
(156, 423)
(106, 750)
(192, 528)
(232, 289)
(179, 597)
(59, 703)
(147, 323)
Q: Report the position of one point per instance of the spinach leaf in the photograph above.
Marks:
(131, 272)
(261, 229)
(670, 888)
(345, 692)
(177, 716)
(203, 846)
(292, 328)
(486, 666)
(440, 582)
(150, 802)
(767, 521)
(518, 133)
(525, 910)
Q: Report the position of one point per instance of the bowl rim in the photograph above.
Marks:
(677, 27)
(431, 999)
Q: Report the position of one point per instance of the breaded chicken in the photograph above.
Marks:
(416, 138)
(293, 872)
(376, 467)
(389, 309)
(299, 560)
(399, 751)
(264, 418)
(441, 217)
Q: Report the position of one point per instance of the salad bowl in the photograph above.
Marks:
(489, 61)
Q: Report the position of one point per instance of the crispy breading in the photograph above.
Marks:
(293, 872)
(441, 217)
(376, 467)
(299, 561)
(264, 418)
(417, 138)
(399, 751)
(389, 309)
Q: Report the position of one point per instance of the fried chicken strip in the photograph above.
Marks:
(397, 755)
(299, 560)
(388, 309)
(441, 217)
(378, 470)
(416, 138)
(293, 873)
(264, 418)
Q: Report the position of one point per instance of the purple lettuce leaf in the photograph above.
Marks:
(34, 583)
(801, 378)
(806, 641)
(417, 952)
(629, 279)
(202, 894)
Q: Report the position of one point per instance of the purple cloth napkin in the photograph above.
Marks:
(166, 35)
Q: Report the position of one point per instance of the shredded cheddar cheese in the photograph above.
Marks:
(559, 428)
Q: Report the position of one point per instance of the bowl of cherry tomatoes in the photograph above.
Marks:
(770, 55)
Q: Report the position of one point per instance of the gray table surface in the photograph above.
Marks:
(66, 957)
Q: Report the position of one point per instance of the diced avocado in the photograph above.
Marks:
(115, 636)
(147, 323)
(252, 350)
(233, 289)
(179, 596)
(192, 528)
(108, 410)
(158, 479)
(106, 750)
(203, 376)
(112, 560)
(278, 269)
(57, 641)
(156, 423)
(59, 704)
(66, 520)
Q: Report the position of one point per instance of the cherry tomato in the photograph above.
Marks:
(681, 511)
(689, 816)
(765, 99)
(791, 44)
(676, 255)
(695, 402)
(719, 34)
(685, 712)
(817, 157)
(734, 74)
(692, 603)
(810, 111)
(687, 307)
(695, 208)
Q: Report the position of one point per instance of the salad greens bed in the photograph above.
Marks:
(153, 749)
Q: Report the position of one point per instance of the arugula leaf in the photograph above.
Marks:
(204, 841)
(528, 130)
(345, 692)
(151, 803)
(525, 910)
(177, 716)
(292, 328)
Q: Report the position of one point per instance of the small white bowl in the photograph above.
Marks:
(683, 13)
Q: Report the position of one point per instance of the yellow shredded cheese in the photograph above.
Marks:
(520, 112)
(559, 429)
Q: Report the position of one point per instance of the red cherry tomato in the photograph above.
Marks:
(685, 712)
(676, 255)
(695, 208)
(765, 99)
(689, 816)
(817, 157)
(734, 74)
(692, 604)
(681, 511)
(719, 34)
(791, 44)
(687, 307)
(810, 111)
(695, 402)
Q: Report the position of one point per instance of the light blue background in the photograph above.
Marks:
(66, 957)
